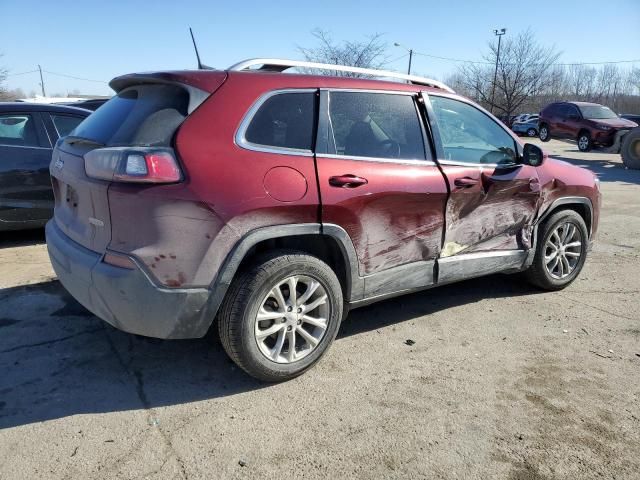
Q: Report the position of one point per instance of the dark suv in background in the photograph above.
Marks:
(273, 203)
(589, 124)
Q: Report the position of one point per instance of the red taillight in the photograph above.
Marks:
(139, 165)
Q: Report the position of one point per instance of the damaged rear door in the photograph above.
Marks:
(494, 198)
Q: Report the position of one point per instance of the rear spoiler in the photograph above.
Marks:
(199, 83)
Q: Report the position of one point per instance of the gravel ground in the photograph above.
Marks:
(503, 381)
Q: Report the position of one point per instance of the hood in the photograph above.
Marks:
(614, 122)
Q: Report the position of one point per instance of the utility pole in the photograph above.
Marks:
(41, 81)
(499, 34)
(410, 50)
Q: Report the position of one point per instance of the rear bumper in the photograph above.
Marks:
(127, 299)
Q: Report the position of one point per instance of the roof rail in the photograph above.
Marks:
(280, 65)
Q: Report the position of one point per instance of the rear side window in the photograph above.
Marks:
(552, 110)
(18, 130)
(65, 123)
(284, 120)
(143, 115)
(376, 125)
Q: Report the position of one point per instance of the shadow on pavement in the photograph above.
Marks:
(607, 171)
(22, 238)
(58, 360)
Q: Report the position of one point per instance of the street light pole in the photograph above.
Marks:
(410, 50)
(499, 34)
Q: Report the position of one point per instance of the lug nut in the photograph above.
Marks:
(289, 328)
(300, 310)
(299, 322)
(289, 309)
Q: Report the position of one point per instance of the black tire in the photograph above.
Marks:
(630, 149)
(584, 141)
(531, 132)
(538, 274)
(237, 317)
(544, 133)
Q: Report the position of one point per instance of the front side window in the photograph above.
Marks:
(284, 120)
(65, 123)
(376, 125)
(470, 136)
(18, 130)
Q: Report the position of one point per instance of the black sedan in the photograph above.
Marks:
(28, 132)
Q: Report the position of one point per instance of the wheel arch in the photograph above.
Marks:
(584, 130)
(328, 242)
(581, 205)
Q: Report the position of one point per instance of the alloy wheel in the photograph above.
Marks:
(544, 133)
(531, 132)
(563, 250)
(292, 319)
(583, 142)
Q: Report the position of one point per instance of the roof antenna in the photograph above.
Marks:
(201, 66)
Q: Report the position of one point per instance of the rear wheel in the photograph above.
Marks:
(561, 251)
(584, 141)
(281, 315)
(544, 134)
(531, 132)
(630, 149)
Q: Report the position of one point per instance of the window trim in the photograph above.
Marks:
(438, 139)
(240, 137)
(56, 114)
(325, 116)
(37, 119)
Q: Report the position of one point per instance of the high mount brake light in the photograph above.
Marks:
(133, 165)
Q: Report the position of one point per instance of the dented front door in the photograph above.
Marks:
(490, 208)
(493, 199)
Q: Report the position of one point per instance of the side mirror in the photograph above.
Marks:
(532, 155)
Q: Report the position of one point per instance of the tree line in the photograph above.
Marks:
(529, 76)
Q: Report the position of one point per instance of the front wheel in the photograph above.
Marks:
(281, 315)
(544, 133)
(561, 251)
(584, 142)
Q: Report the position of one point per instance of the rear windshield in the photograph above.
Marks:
(141, 115)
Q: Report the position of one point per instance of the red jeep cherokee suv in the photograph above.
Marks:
(273, 203)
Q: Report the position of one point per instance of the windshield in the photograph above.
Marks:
(597, 112)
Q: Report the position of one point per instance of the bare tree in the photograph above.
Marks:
(3, 77)
(369, 53)
(523, 72)
(11, 95)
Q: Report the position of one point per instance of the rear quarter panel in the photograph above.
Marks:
(183, 233)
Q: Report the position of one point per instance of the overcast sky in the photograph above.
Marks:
(98, 40)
